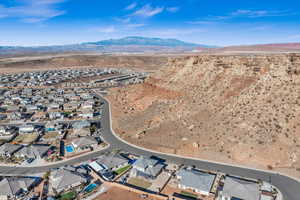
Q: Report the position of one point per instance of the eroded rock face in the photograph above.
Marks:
(241, 109)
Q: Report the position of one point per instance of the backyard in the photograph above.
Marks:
(122, 170)
(68, 196)
(189, 194)
(26, 138)
(139, 183)
(50, 135)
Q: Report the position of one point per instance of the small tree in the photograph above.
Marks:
(46, 175)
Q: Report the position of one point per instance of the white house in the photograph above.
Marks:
(26, 129)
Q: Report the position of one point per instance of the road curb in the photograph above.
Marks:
(187, 157)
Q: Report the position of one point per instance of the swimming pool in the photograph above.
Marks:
(90, 187)
(69, 149)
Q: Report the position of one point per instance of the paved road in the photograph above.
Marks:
(289, 187)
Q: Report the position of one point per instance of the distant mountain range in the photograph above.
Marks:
(136, 44)
(277, 47)
(127, 44)
(144, 41)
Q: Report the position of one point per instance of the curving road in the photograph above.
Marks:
(289, 187)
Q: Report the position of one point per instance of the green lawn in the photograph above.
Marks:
(68, 196)
(188, 194)
(67, 113)
(139, 183)
(122, 170)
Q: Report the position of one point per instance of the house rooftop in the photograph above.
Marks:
(84, 141)
(9, 148)
(12, 186)
(148, 165)
(81, 124)
(240, 188)
(111, 161)
(193, 178)
(34, 151)
(63, 178)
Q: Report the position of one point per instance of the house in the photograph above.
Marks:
(81, 124)
(3, 130)
(112, 161)
(86, 96)
(6, 134)
(70, 106)
(55, 115)
(53, 106)
(59, 100)
(198, 181)
(69, 95)
(50, 126)
(84, 142)
(236, 188)
(26, 116)
(74, 98)
(102, 170)
(35, 151)
(147, 167)
(30, 108)
(14, 116)
(12, 187)
(87, 105)
(12, 108)
(7, 149)
(88, 113)
(97, 167)
(65, 178)
(3, 116)
(26, 129)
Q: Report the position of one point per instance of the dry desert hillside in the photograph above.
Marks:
(235, 109)
(63, 61)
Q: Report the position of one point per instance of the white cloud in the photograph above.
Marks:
(131, 6)
(41, 2)
(135, 25)
(259, 13)
(260, 28)
(242, 14)
(148, 11)
(172, 9)
(109, 29)
(200, 22)
(123, 20)
(32, 11)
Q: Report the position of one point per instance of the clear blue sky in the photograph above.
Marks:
(214, 22)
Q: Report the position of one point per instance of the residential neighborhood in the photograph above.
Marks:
(58, 117)
(146, 175)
